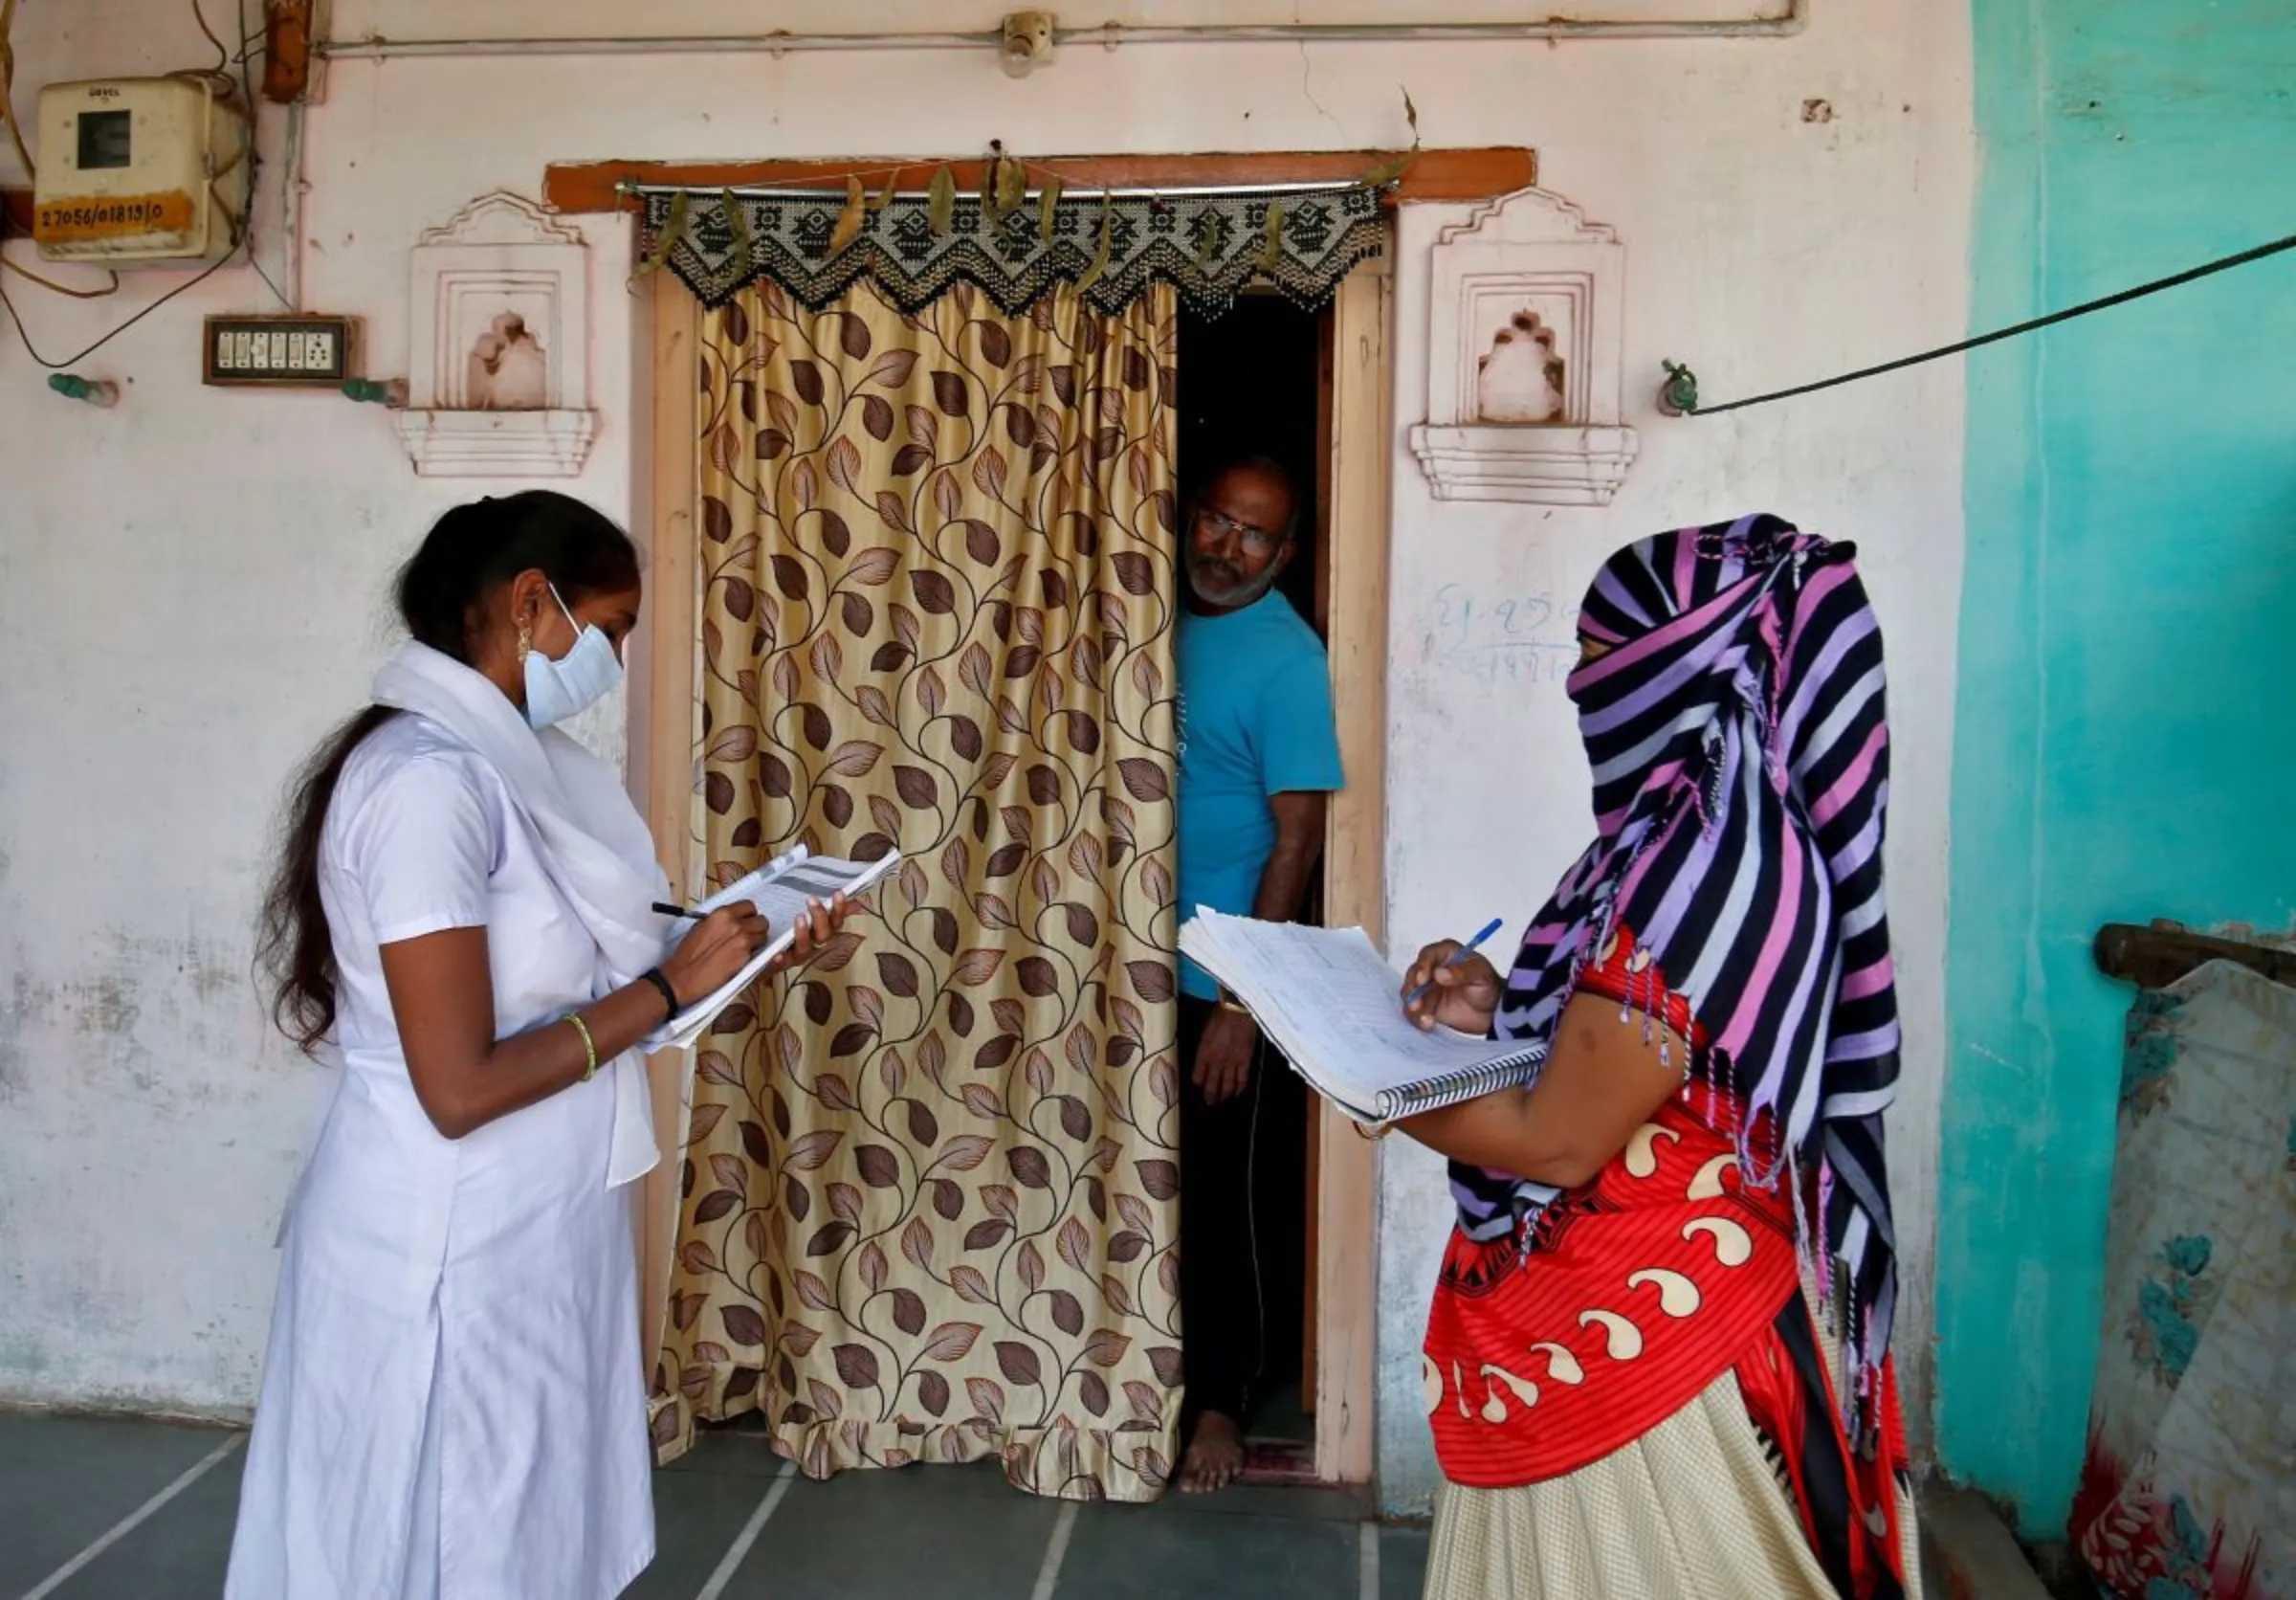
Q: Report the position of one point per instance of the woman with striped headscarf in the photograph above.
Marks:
(1658, 1363)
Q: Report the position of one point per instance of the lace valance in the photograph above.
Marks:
(1209, 246)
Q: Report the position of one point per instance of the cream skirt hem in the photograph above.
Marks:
(1693, 1510)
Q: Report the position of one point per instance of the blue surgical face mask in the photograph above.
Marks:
(575, 681)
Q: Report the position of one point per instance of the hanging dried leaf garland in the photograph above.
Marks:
(736, 224)
(1004, 185)
(1008, 186)
(1395, 167)
(940, 206)
(1107, 244)
(674, 230)
(1013, 187)
(849, 220)
(1271, 246)
(992, 185)
(1389, 171)
(1211, 237)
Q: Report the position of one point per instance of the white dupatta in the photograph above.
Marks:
(594, 846)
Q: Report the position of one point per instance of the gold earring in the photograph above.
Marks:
(525, 642)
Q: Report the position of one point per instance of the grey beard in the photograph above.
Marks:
(1236, 598)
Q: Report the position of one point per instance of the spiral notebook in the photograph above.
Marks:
(1330, 1002)
(780, 889)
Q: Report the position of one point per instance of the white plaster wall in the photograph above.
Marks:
(190, 586)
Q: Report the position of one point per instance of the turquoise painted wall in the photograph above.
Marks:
(2126, 731)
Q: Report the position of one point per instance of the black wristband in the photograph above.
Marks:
(653, 975)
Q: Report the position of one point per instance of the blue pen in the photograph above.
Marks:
(1457, 956)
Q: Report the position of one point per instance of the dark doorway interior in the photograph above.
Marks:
(1251, 383)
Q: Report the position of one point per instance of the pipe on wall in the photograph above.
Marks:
(1792, 20)
(291, 191)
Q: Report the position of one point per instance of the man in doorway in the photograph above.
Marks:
(1258, 755)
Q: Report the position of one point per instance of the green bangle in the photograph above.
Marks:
(590, 1046)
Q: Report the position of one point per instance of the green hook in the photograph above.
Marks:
(1678, 396)
(96, 391)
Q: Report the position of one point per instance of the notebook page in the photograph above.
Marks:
(1334, 1006)
(782, 887)
(780, 890)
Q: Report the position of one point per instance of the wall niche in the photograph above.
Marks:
(498, 380)
(1524, 357)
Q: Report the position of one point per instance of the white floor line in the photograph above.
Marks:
(739, 1551)
(1367, 1549)
(1048, 1576)
(135, 1519)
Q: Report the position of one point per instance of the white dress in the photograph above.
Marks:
(453, 1404)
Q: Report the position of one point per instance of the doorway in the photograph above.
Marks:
(1343, 585)
(1254, 381)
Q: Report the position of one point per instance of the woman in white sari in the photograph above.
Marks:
(452, 1403)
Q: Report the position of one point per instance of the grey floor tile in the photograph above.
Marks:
(181, 1553)
(923, 1533)
(1402, 1562)
(920, 1533)
(65, 1479)
(697, 1517)
(1258, 1499)
(1153, 1553)
(728, 1454)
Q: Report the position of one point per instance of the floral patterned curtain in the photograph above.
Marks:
(929, 1193)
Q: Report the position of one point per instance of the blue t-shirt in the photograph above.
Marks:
(1255, 720)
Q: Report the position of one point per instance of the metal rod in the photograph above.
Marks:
(382, 48)
(1108, 36)
(839, 196)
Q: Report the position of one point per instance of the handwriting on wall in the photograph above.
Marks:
(1499, 638)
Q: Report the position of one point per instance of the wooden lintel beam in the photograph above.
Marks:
(2156, 957)
(1447, 174)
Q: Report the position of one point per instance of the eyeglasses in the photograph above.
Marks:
(1258, 540)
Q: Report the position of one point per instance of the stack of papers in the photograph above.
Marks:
(781, 889)
(1330, 1002)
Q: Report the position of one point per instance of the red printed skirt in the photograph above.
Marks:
(1624, 1300)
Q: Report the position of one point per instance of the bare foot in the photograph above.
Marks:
(1215, 1455)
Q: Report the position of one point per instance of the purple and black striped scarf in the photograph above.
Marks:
(1741, 766)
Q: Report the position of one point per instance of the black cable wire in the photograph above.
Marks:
(32, 350)
(278, 293)
(2222, 264)
(255, 163)
(223, 53)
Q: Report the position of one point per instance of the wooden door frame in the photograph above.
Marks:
(665, 498)
(665, 491)
(1344, 1291)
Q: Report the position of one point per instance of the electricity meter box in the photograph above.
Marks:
(139, 169)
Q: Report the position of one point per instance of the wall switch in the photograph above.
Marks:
(279, 352)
